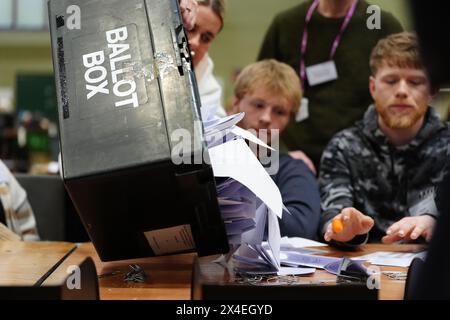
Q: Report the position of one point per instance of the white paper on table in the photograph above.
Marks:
(393, 259)
(235, 160)
(289, 271)
(274, 236)
(297, 242)
(256, 235)
(301, 250)
(297, 259)
(253, 260)
(267, 256)
(256, 259)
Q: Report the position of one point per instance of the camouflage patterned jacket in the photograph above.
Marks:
(360, 169)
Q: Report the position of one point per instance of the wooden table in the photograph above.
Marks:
(221, 282)
(390, 289)
(27, 263)
(168, 277)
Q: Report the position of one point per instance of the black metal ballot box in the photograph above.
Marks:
(127, 97)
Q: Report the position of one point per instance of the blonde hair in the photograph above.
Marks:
(217, 6)
(397, 50)
(276, 77)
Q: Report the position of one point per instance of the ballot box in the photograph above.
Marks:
(134, 159)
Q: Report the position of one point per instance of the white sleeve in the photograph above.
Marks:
(209, 88)
(18, 194)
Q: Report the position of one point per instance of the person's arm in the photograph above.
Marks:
(336, 191)
(27, 222)
(24, 222)
(300, 155)
(300, 194)
(336, 188)
(423, 214)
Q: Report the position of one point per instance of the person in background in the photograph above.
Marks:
(189, 10)
(208, 24)
(15, 210)
(341, 33)
(378, 177)
(269, 93)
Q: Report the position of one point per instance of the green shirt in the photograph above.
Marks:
(334, 105)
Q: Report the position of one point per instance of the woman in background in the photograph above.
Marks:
(15, 210)
(208, 23)
(188, 10)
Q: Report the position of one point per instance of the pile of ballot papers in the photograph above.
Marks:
(251, 204)
(249, 200)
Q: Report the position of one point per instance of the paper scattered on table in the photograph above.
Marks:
(255, 260)
(238, 209)
(283, 271)
(333, 265)
(393, 259)
(256, 235)
(300, 245)
(7, 235)
(235, 160)
(291, 258)
(248, 197)
(274, 237)
(297, 242)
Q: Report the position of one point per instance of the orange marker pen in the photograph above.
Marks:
(337, 225)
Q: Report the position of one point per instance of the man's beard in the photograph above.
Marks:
(399, 121)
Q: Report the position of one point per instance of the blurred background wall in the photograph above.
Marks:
(246, 24)
(236, 46)
(25, 45)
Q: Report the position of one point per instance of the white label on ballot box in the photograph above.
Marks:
(171, 240)
(322, 72)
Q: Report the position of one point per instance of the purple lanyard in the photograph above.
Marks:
(337, 40)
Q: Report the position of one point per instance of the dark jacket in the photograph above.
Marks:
(361, 169)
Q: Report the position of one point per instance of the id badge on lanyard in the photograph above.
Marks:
(326, 71)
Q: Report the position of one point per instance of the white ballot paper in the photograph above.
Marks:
(393, 259)
(248, 199)
(234, 159)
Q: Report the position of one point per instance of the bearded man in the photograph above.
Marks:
(378, 177)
